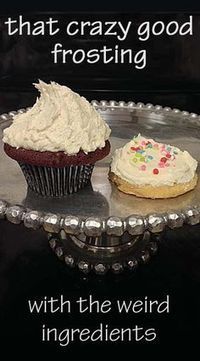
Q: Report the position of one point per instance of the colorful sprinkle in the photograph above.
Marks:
(144, 151)
(143, 167)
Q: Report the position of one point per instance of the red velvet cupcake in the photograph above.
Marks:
(57, 141)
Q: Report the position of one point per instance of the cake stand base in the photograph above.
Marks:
(103, 254)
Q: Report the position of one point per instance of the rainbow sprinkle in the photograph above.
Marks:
(141, 158)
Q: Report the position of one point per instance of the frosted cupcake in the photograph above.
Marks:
(57, 141)
(149, 169)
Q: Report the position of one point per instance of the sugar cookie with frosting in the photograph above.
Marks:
(148, 169)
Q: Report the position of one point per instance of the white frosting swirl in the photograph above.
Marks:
(60, 120)
(146, 162)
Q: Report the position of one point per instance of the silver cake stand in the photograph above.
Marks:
(99, 228)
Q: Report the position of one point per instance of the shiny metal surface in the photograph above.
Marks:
(100, 207)
(100, 260)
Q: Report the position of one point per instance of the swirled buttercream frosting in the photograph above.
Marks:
(60, 120)
(144, 161)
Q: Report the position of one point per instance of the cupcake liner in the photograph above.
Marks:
(56, 182)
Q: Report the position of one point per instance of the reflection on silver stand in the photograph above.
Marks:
(104, 253)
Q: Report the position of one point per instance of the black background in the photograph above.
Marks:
(29, 269)
(90, 5)
(171, 76)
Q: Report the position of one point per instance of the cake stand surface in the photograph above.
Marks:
(99, 228)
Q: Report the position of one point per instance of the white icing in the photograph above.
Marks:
(60, 120)
(181, 166)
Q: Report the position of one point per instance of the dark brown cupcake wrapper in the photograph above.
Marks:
(56, 182)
